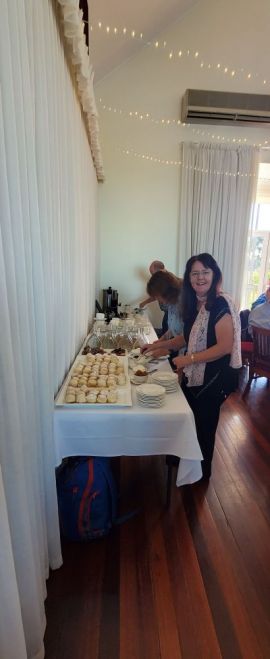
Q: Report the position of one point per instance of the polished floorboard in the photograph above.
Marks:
(191, 582)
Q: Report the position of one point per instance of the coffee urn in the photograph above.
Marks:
(110, 302)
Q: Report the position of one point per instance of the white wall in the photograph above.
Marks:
(139, 200)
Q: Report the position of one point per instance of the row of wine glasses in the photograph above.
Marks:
(115, 338)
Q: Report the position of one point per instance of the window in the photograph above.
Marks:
(258, 248)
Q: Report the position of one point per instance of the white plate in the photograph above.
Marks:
(138, 382)
(151, 390)
(165, 376)
(169, 387)
(150, 404)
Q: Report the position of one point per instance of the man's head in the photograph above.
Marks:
(155, 266)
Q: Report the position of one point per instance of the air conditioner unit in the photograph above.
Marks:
(228, 108)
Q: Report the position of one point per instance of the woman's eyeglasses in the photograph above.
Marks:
(200, 273)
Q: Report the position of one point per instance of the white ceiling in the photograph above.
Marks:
(150, 17)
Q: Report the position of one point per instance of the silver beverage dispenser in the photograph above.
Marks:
(110, 302)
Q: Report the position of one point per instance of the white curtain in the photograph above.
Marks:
(47, 290)
(217, 190)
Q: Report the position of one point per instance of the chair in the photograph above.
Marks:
(247, 352)
(259, 365)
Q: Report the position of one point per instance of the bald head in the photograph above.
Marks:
(155, 266)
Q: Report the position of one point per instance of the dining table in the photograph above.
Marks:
(87, 430)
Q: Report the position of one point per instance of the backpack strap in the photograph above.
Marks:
(104, 464)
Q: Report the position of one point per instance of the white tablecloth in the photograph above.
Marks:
(132, 431)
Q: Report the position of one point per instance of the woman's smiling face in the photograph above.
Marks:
(201, 278)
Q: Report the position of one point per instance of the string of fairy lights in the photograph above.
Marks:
(146, 116)
(180, 163)
(178, 54)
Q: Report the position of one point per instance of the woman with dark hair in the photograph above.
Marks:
(212, 335)
(166, 288)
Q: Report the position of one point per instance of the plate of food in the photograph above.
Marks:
(96, 380)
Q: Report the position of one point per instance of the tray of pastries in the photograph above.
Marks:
(95, 380)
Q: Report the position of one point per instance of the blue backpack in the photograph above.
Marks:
(87, 498)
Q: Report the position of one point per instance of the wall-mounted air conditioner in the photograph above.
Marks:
(229, 108)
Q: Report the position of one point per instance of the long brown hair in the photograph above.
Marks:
(166, 285)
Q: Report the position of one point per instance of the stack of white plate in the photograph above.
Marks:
(166, 379)
(151, 395)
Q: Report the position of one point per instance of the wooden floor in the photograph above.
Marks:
(191, 582)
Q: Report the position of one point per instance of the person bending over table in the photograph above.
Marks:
(166, 288)
(213, 337)
(155, 266)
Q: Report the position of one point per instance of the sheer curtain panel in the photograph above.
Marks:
(217, 191)
(47, 283)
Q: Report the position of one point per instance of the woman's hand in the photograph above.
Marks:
(155, 349)
(181, 361)
(158, 351)
(147, 347)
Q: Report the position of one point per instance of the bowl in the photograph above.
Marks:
(139, 375)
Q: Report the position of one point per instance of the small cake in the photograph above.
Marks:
(83, 379)
(80, 397)
(92, 382)
(101, 398)
(71, 390)
(91, 397)
(112, 389)
(102, 381)
(70, 398)
(73, 382)
(111, 380)
(103, 392)
(78, 370)
(112, 396)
